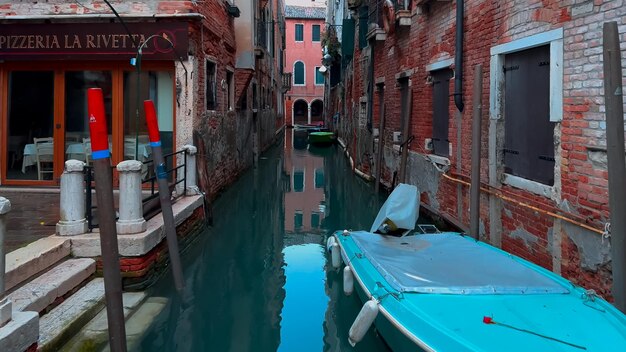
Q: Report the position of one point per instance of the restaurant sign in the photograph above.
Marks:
(93, 41)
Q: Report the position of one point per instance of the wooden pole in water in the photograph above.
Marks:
(164, 194)
(381, 145)
(106, 212)
(405, 133)
(614, 100)
(477, 102)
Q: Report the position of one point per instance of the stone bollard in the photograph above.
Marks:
(131, 210)
(72, 207)
(190, 174)
(5, 304)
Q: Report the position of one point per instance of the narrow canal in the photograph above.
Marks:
(257, 279)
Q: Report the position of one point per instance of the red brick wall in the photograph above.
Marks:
(581, 192)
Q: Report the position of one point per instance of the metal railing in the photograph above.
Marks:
(151, 204)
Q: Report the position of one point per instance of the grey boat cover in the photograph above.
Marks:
(447, 263)
(401, 207)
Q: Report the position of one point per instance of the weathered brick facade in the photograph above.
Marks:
(516, 214)
(229, 134)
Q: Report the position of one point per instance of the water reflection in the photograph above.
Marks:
(257, 279)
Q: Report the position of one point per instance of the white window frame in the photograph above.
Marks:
(554, 38)
(303, 73)
(317, 68)
(316, 41)
(295, 31)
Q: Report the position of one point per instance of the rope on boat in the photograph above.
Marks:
(490, 321)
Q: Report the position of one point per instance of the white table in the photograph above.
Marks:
(30, 155)
(75, 151)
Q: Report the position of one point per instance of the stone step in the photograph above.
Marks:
(29, 261)
(20, 333)
(42, 291)
(94, 335)
(68, 317)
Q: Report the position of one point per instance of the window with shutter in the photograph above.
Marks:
(316, 33)
(529, 134)
(441, 111)
(299, 32)
(298, 73)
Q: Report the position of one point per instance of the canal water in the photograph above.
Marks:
(258, 279)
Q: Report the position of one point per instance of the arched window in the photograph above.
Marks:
(298, 73)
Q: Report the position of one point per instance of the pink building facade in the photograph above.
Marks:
(304, 103)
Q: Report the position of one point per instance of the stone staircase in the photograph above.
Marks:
(52, 295)
(58, 302)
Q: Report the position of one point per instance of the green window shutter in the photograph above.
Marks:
(298, 73)
(363, 23)
(316, 33)
(319, 77)
(299, 32)
(347, 40)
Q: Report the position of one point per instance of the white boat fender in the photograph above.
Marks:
(329, 242)
(348, 281)
(335, 256)
(363, 321)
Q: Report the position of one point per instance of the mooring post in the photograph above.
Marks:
(131, 211)
(477, 102)
(160, 170)
(6, 308)
(106, 212)
(614, 100)
(72, 200)
(191, 178)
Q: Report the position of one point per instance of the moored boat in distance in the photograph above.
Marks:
(449, 292)
(321, 138)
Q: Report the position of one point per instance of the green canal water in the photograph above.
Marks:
(257, 279)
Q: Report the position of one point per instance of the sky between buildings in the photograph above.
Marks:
(309, 3)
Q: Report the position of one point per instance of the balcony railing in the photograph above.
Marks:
(286, 81)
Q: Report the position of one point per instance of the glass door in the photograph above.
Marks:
(30, 130)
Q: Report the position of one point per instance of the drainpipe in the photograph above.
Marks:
(458, 56)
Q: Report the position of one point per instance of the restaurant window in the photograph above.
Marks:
(30, 117)
(157, 86)
(211, 86)
(299, 32)
(77, 138)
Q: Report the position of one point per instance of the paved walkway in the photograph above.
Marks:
(34, 214)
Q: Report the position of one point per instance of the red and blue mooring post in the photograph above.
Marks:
(101, 157)
(164, 193)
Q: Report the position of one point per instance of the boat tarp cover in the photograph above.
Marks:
(401, 207)
(450, 264)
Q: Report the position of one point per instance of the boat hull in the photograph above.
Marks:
(411, 321)
(321, 138)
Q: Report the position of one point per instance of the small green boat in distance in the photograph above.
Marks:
(321, 138)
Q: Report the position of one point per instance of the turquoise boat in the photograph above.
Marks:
(449, 292)
(321, 138)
